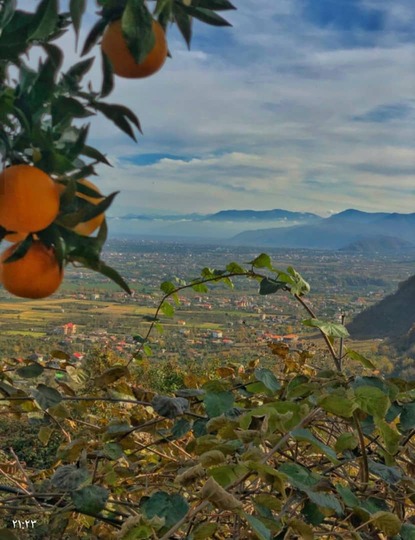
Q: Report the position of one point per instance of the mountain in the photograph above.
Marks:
(230, 215)
(334, 232)
(378, 244)
(394, 316)
(261, 215)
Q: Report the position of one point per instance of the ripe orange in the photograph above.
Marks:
(123, 63)
(36, 275)
(29, 201)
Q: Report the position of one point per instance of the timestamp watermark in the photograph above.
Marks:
(24, 523)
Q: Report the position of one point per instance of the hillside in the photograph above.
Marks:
(392, 317)
(378, 244)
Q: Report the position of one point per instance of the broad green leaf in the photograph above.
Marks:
(262, 261)
(303, 434)
(90, 499)
(372, 400)
(234, 268)
(325, 500)
(167, 309)
(299, 476)
(357, 357)
(171, 507)
(407, 418)
(301, 528)
(387, 522)
(391, 475)
(328, 328)
(270, 286)
(69, 477)
(44, 434)
(312, 513)
(111, 375)
(407, 531)
(112, 450)
(227, 474)
(167, 287)
(205, 531)
(217, 403)
(346, 441)
(169, 407)
(390, 436)
(33, 370)
(180, 428)
(349, 498)
(260, 530)
(340, 402)
(267, 378)
(46, 396)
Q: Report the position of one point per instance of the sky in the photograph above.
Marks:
(306, 105)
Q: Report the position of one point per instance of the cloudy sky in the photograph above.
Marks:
(304, 105)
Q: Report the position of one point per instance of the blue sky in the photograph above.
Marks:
(305, 105)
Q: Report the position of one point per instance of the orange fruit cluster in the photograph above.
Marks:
(123, 63)
(29, 202)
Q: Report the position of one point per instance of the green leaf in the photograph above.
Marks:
(120, 115)
(391, 475)
(90, 499)
(349, 498)
(216, 5)
(357, 357)
(346, 441)
(261, 532)
(69, 477)
(407, 418)
(387, 522)
(262, 261)
(46, 396)
(112, 450)
(270, 286)
(299, 476)
(111, 375)
(167, 309)
(167, 287)
(184, 22)
(217, 403)
(205, 531)
(340, 402)
(180, 428)
(372, 400)
(95, 154)
(107, 271)
(324, 500)
(206, 15)
(407, 531)
(45, 20)
(328, 328)
(302, 434)
(33, 370)
(169, 407)
(200, 288)
(137, 29)
(44, 434)
(235, 268)
(76, 10)
(107, 75)
(267, 378)
(390, 436)
(94, 34)
(171, 507)
(312, 513)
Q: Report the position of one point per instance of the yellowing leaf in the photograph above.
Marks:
(387, 522)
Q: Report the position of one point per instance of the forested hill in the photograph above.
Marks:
(392, 317)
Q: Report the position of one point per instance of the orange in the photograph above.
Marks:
(29, 201)
(36, 275)
(123, 63)
(85, 228)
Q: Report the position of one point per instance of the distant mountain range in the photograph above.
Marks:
(351, 230)
(231, 215)
(339, 231)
